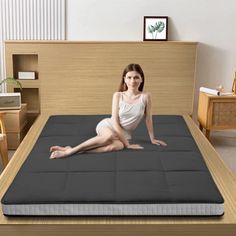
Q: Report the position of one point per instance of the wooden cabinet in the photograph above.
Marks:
(216, 112)
(16, 124)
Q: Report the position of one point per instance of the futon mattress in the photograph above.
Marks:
(157, 180)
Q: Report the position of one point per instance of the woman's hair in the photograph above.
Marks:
(131, 67)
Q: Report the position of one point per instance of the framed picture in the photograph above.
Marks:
(155, 28)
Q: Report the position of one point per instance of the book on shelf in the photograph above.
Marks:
(215, 92)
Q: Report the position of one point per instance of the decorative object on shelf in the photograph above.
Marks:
(10, 80)
(155, 28)
(234, 84)
(26, 75)
(220, 88)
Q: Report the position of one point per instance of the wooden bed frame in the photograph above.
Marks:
(79, 78)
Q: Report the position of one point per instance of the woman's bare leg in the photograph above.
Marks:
(104, 139)
(116, 145)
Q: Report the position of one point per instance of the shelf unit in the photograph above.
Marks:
(30, 92)
(25, 62)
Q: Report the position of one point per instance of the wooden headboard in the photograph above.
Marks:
(80, 77)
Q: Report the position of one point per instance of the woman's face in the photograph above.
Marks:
(133, 79)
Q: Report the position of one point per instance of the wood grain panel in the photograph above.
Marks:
(80, 78)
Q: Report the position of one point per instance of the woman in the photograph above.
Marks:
(129, 106)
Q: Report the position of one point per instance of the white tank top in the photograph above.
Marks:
(130, 115)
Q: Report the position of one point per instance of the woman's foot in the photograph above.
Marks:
(60, 154)
(59, 148)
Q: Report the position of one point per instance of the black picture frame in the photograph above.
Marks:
(155, 28)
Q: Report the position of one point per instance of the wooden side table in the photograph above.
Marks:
(3, 141)
(216, 112)
(16, 126)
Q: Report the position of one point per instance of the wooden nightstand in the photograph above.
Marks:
(16, 126)
(216, 112)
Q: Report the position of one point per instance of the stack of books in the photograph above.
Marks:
(215, 92)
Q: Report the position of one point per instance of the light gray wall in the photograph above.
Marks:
(209, 22)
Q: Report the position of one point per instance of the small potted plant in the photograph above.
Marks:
(10, 80)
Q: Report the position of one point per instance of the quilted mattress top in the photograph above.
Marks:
(173, 174)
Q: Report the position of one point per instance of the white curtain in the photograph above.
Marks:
(30, 20)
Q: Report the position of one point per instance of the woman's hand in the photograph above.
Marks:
(134, 146)
(158, 142)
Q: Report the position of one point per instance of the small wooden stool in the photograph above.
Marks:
(3, 141)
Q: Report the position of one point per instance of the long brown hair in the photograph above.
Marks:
(131, 67)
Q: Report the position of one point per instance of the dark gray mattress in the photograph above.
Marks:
(172, 180)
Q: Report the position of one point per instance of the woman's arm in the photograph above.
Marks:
(148, 119)
(115, 119)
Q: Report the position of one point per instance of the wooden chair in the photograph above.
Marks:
(3, 141)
